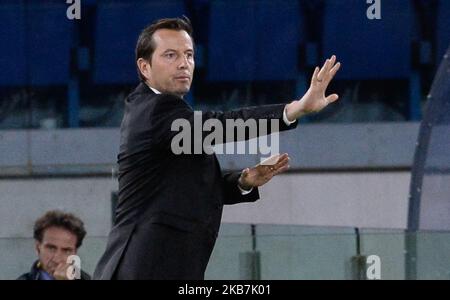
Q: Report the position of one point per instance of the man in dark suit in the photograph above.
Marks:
(170, 205)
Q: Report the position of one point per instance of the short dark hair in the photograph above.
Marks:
(60, 219)
(146, 45)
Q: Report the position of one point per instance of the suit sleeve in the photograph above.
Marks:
(170, 108)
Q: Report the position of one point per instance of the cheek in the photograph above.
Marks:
(45, 256)
(165, 76)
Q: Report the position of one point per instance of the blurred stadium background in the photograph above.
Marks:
(359, 170)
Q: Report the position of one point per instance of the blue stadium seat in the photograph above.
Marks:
(12, 51)
(35, 52)
(279, 39)
(50, 39)
(369, 49)
(253, 40)
(118, 27)
(443, 29)
(232, 41)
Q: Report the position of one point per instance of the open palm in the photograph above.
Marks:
(315, 99)
(261, 173)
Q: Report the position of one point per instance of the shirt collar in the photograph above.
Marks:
(45, 275)
(38, 273)
(154, 90)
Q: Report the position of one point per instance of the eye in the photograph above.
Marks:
(51, 248)
(190, 55)
(169, 55)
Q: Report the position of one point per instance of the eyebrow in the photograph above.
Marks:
(173, 50)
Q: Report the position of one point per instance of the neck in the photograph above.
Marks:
(158, 91)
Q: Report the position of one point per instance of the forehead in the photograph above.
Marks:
(59, 237)
(172, 39)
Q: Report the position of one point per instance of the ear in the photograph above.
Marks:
(145, 67)
(36, 246)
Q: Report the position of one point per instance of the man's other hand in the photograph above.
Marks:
(60, 272)
(262, 173)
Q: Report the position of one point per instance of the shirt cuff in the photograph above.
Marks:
(244, 192)
(285, 119)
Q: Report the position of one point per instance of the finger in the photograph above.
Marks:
(282, 162)
(61, 267)
(332, 98)
(314, 76)
(331, 64)
(245, 172)
(281, 170)
(270, 161)
(333, 72)
(279, 166)
(59, 271)
(322, 71)
(268, 170)
(282, 157)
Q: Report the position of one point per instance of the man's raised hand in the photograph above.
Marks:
(314, 99)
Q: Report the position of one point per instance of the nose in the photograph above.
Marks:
(184, 62)
(59, 257)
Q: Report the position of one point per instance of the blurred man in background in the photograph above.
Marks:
(58, 235)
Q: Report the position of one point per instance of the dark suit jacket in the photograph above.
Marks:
(170, 206)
